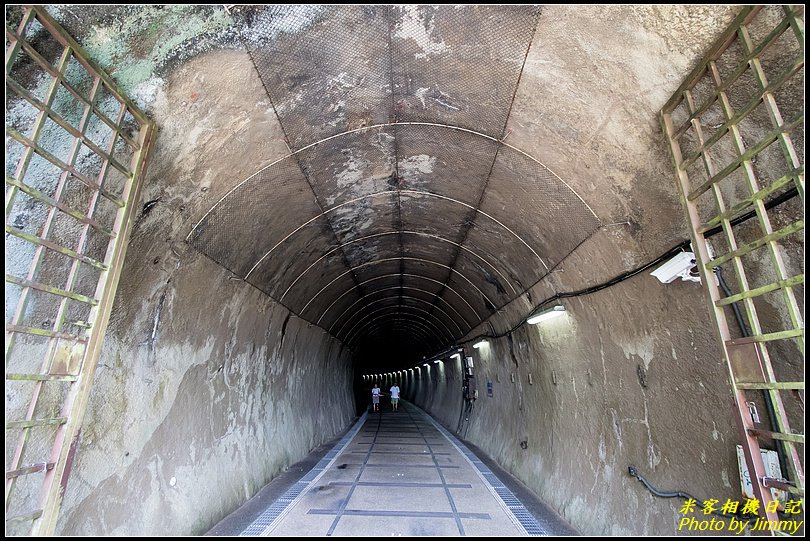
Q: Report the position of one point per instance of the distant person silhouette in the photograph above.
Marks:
(375, 397)
(395, 396)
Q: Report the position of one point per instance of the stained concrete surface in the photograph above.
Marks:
(242, 517)
(397, 475)
(198, 394)
(632, 374)
(199, 391)
(596, 405)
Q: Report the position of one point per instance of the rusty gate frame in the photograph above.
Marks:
(85, 346)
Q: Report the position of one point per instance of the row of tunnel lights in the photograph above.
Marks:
(401, 372)
(534, 319)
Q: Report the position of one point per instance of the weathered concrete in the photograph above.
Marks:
(198, 398)
(206, 388)
(632, 374)
(184, 428)
(617, 381)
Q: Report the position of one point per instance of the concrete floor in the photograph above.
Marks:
(196, 402)
(393, 473)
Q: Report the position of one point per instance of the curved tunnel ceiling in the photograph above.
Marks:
(400, 211)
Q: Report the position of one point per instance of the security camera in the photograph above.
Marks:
(682, 265)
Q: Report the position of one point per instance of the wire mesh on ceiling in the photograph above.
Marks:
(397, 179)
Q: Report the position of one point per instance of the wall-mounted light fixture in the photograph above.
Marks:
(426, 364)
(437, 362)
(456, 356)
(480, 344)
(548, 313)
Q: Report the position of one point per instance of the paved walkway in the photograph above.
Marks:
(397, 473)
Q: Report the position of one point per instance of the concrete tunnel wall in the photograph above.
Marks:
(207, 387)
(631, 374)
(594, 392)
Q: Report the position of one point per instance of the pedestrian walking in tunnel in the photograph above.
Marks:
(375, 397)
(394, 396)
(409, 206)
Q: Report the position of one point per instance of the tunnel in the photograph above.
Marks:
(572, 236)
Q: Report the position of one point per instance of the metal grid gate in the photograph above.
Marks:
(731, 127)
(76, 150)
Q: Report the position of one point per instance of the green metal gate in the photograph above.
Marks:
(730, 128)
(76, 150)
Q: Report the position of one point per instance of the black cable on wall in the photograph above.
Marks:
(769, 204)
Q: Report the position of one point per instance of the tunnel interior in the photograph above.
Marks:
(342, 195)
(407, 216)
